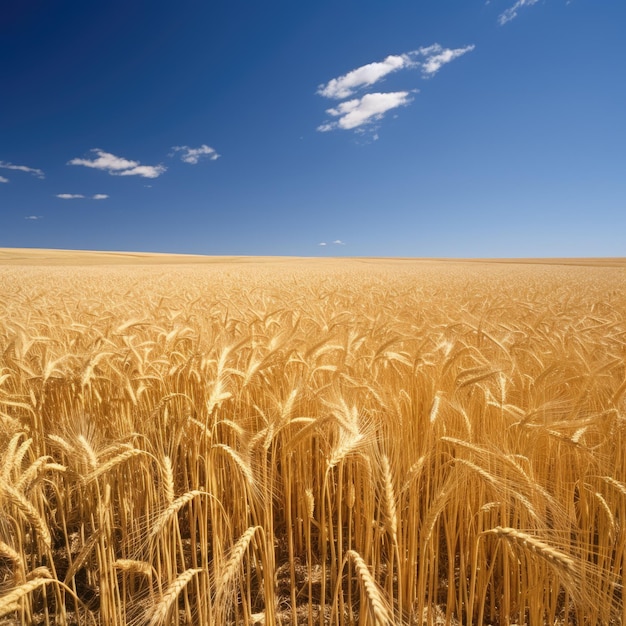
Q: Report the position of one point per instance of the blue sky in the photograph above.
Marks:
(423, 128)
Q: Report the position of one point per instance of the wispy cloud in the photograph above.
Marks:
(511, 12)
(429, 58)
(359, 112)
(77, 196)
(3, 179)
(118, 166)
(147, 171)
(364, 76)
(34, 217)
(22, 168)
(193, 155)
(322, 243)
(435, 57)
(356, 113)
(338, 242)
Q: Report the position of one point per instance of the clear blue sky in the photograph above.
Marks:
(399, 128)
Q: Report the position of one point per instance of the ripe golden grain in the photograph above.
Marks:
(375, 600)
(536, 546)
(11, 601)
(161, 610)
(389, 415)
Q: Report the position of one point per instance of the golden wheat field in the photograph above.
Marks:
(240, 441)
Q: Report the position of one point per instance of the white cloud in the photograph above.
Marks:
(106, 161)
(364, 76)
(322, 243)
(3, 179)
(22, 168)
(358, 112)
(147, 171)
(193, 155)
(34, 217)
(119, 166)
(437, 56)
(367, 75)
(77, 196)
(511, 12)
(362, 111)
(338, 242)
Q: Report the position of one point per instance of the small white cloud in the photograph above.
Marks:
(77, 196)
(322, 243)
(362, 111)
(511, 12)
(338, 242)
(193, 155)
(3, 179)
(364, 76)
(106, 161)
(147, 171)
(119, 166)
(22, 168)
(34, 217)
(437, 56)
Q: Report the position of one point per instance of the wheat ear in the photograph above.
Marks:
(390, 499)
(18, 562)
(239, 462)
(538, 547)
(32, 473)
(376, 602)
(234, 561)
(28, 511)
(111, 463)
(11, 601)
(134, 567)
(90, 454)
(621, 487)
(309, 501)
(9, 456)
(161, 610)
(167, 472)
(172, 509)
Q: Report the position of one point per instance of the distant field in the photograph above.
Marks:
(37, 256)
(241, 440)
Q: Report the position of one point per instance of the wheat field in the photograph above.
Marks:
(240, 441)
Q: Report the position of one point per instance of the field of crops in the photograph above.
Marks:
(304, 442)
